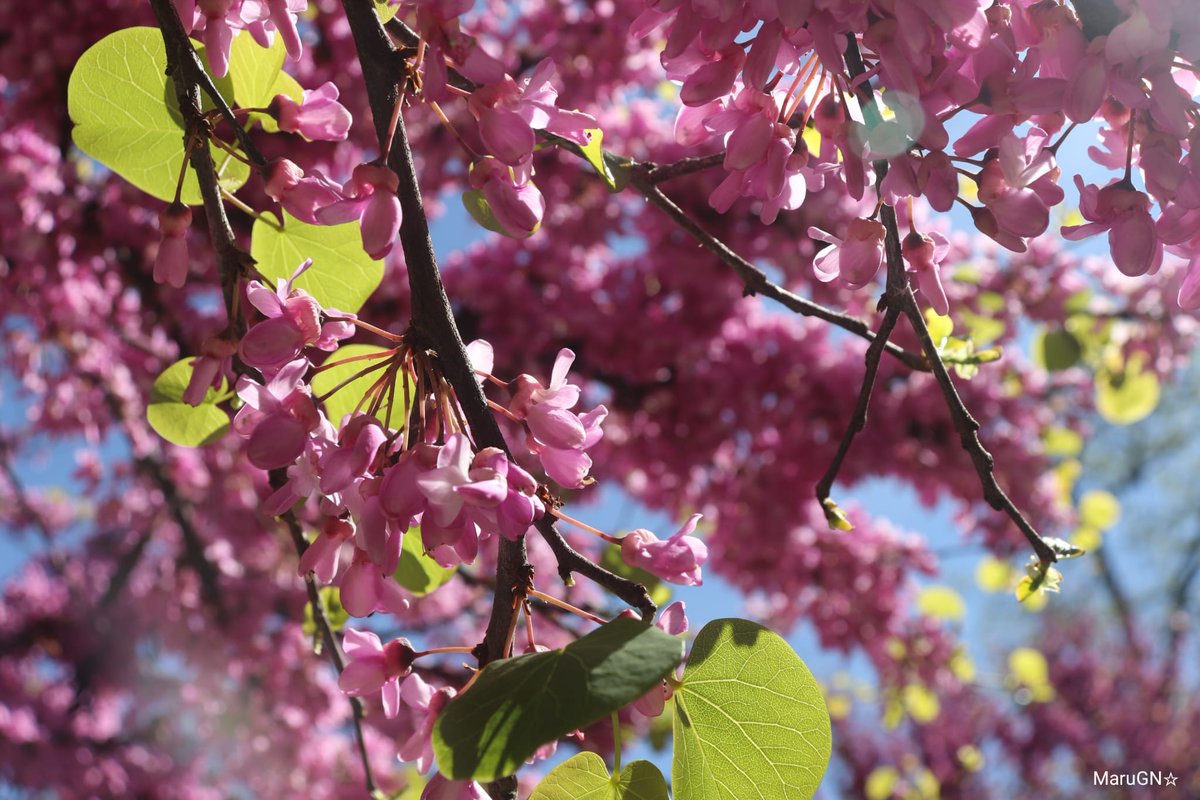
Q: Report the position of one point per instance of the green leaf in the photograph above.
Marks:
(586, 777)
(175, 420)
(750, 720)
(345, 399)
(127, 117)
(593, 151)
(835, 517)
(940, 326)
(386, 10)
(1056, 350)
(418, 572)
(659, 591)
(1126, 397)
(941, 602)
(1099, 509)
(1059, 441)
(519, 704)
(342, 276)
(254, 70)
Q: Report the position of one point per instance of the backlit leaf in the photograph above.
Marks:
(342, 276)
(127, 117)
(175, 420)
(750, 720)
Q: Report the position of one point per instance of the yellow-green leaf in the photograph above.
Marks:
(941, 602)
(178, 422)
(1099, 509)
(127, 117)
(342, 276)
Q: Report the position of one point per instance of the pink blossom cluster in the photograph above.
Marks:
(218, 21)
(756, 73)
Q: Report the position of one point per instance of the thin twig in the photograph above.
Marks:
(571, 561)
(966, 425)
(335, 653)
(184, 65)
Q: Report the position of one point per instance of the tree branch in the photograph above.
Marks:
(189, 77)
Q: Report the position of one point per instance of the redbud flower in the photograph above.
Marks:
(509, 112)
(856, 258)
(420, 696)
(370, 198)
(514, 200)
(299, 194)
(209, 368)
(677, 560)
(375, 667)
(277, 417)
(365, 589)
(318, 117)
(924, 254)
(322, 556)
(1125, 213)
(171, 263)
(674, 621)
(218, 36)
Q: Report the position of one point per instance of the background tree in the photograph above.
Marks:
(721, 210)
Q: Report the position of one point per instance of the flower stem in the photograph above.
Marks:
(584, 526)
(565, 606)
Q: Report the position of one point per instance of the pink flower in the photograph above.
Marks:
(375, 667)
(514, 200)
(510, 112)
(218, 35)
(422, 697)
(318, 117)
(300, 195)
(322, 556)
(293, 322)
(856, 258)
(277, 417)
(924, 254)
(677, 560)
(210, 368)
(1125, 213)
(359, 442)
(365, 589)
(674, 621)
(569, 466)
(370, 198)
(171, 261)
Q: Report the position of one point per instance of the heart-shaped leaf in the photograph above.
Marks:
(586, 777)
(127, 117)
(750, 719)
(342, 276)
(175, 420)
(418, 572)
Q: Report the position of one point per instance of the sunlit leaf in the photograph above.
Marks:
(586, 777)
(750, 721)
(342, 276)
(418, 572)
(178, 422)
(127, 117)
